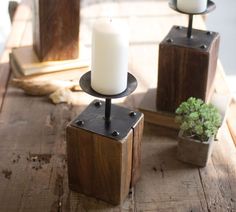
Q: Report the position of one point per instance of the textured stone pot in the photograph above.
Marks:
(193, 151)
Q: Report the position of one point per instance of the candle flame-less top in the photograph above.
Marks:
(192, 6)
(109, 57)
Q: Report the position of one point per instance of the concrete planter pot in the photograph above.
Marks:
(193, 151)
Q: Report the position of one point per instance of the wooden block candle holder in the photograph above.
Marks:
(56, 29)
(186, 67)
(187, 62)
(104, 152)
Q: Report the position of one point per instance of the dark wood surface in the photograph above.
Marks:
(136, 152)
(56, 29)
(33, 167)
(186, 69)
(99, 166)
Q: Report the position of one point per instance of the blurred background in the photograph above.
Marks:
(5, 24)
(222, 20)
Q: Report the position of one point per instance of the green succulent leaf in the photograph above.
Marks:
(198, 119)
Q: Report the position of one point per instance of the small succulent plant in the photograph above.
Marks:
(197, 119)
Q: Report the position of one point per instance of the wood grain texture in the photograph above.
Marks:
(99, 166)
(185, 69)
(4, 77)
(56, 29)
(136, 151)
(219, 178)
(166, 184)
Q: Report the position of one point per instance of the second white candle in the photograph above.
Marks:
(192, 6)
(109, 57)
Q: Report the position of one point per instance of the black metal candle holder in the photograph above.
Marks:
(104, 146)
(210, 7)
(103, 117)
(186, 68)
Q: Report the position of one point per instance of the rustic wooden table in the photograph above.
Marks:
(33, 169)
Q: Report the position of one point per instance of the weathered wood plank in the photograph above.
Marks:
(14, 40)
(136, 153)
(166, 183)
(22, 172)
(219, 177)
(38, 184)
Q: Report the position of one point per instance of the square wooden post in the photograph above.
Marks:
(102, 164)
(56, 29)
(186, 67)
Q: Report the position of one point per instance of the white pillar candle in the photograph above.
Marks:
(192, 6)
(109, 68)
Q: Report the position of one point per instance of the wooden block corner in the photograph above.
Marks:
(102, 167)
(186, 67)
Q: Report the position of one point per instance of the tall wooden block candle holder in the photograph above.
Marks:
(56, 29)
(104, 150)
(186, 67)
(187, 63)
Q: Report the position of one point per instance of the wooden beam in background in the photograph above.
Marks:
(56, 29)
